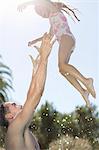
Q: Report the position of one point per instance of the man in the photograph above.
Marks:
(18, 135)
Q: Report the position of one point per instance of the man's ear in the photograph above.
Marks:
(9, 116)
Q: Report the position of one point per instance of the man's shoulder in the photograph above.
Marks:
(11, 130)
(14, 128)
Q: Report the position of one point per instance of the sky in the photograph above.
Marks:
(16, 29)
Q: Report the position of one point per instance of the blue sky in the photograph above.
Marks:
(16, 29)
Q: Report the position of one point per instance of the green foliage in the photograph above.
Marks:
(49, 125)
(67, 125)
(2, 137)
(47, 130)
(88, 124)
(5, 82)
(5, 86)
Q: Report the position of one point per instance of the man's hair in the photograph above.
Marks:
(3, 121)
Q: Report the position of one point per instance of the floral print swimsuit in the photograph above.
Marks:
(60, 25)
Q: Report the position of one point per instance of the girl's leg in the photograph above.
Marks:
(87, 82)
(76, 84)
(65, 48)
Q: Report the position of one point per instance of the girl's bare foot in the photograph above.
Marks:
(90, 87)
(85, 96)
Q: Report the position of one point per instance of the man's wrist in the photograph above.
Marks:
(44, 60)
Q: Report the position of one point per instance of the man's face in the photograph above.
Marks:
(12, 109)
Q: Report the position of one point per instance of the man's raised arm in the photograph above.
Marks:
(37, 83)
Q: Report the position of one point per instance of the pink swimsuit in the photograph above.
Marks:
(60, 25)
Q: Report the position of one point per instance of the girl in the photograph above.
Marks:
(60, 28)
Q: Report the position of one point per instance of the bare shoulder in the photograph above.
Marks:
(15, 126)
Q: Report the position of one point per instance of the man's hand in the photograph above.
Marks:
(46, 45)
(44, 50)
(35, 63)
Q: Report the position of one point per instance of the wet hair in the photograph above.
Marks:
(3, 121)
(67, 9)
(64, 7)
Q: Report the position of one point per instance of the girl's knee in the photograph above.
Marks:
(62, 68)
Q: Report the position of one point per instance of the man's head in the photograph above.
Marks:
(8, 112)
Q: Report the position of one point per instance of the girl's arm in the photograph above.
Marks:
(24, 5)
(35, 41)
(30, 2)
(40, 38)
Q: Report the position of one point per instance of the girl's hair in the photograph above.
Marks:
(3, 121)
(70, 10)
(67, 9)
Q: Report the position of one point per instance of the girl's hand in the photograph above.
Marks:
(21, 7)
(31, 43)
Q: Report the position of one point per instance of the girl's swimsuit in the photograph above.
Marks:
(60, 25)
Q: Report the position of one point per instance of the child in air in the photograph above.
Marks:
(60, 28)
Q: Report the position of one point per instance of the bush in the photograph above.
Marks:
(70, 143)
